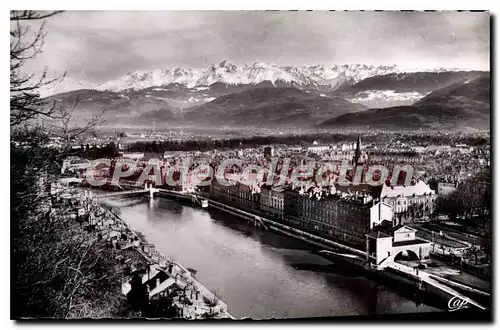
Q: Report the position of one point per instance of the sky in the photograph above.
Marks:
(101, 46)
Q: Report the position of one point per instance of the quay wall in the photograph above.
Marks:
(284, 229)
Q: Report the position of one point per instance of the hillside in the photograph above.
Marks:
(120, 108)
(422, 82)
(459, 106)
(398, 89)
(271, 106)
(474, 89)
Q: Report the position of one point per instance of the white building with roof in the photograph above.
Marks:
(317, 149)
(416, 200)
(387, 245)
(380, 212)
(74, 164)
(133, 155)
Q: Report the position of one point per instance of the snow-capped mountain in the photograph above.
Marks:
(324, 77)
(143, 79)
(273, 98)
(228, 73)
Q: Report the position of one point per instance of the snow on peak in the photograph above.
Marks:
(229, 73)
(143, 79)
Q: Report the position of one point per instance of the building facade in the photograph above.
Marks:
(446, 188)
(268, 152)
(345, 218)
(342, 217)
(277, 199)
(409, 202)
(237, 195)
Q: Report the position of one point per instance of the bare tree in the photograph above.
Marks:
(26, 44)
(58, 270)
(63, 126)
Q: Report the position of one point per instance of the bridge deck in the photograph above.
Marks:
(123, 193)
(426, 277)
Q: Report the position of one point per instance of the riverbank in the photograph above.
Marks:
(151, 281)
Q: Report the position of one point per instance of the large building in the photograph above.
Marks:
(343, 217)
(132, 155)
(74, 164)
(411, 201)
(238, 195)
(317, 148)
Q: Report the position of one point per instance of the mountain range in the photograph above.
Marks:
(269, 95)
(462, 105)
(331, 77)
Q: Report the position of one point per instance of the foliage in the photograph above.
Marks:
(59, 270)
(25, 44)
(472, 203)
(108, 151)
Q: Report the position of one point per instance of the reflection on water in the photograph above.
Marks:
(259, 274)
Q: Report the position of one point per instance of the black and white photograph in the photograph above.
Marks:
(244, 165)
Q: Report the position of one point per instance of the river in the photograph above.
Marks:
(254, 271)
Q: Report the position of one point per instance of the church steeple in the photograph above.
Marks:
(357, 153)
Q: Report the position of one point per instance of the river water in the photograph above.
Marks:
(257, 273)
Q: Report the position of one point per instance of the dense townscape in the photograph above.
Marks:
(259, 190)
(428, 194)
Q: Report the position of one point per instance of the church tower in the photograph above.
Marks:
(357, 153)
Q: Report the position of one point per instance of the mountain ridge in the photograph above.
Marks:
(462, 105)
(287, 103)
(331, 77)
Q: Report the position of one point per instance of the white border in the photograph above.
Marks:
(211, 5)
(256, 5)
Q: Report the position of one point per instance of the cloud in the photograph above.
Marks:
(99, 46)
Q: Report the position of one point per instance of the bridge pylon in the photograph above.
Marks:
(150, 189)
